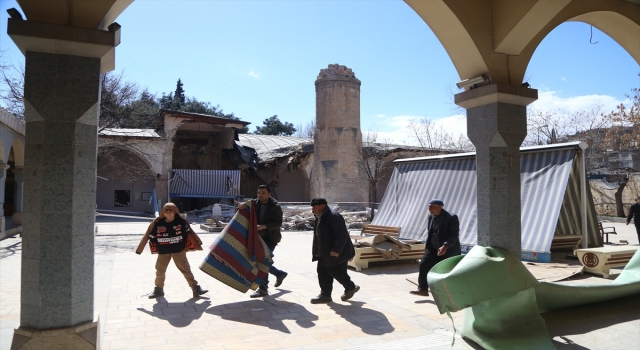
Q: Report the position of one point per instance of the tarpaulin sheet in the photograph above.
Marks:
(192, 183)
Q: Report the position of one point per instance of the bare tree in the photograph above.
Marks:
(435, 140)
(306, 131)
(116, 94)
(372, 158)
(12, 88)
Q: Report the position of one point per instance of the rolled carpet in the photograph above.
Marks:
(238, 257)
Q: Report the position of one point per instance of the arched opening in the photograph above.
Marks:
(125, 181)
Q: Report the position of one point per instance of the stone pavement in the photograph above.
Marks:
(381, 315)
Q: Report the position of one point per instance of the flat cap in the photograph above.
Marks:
(437, 202)
(318, 201)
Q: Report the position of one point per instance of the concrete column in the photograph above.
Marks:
(62, 99)
(497, 125)
(62, 95)
(19, 177)
(336, 174)
(3, 181)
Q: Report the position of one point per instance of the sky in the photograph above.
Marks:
(261, 58)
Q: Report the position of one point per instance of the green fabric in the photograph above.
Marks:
(503, 299)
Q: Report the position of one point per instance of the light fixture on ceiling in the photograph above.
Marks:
(473, 82)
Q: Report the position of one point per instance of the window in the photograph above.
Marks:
(122, 198)
(146, 196)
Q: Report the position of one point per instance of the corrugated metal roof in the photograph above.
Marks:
(129, 132)
(270, 147)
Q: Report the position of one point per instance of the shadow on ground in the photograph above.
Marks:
(370, 321)
(266, 312)
(12, 247)
(390, 267)
(588, 318)
(174, 313)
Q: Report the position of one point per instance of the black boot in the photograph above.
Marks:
(157, 292)
(198, 291)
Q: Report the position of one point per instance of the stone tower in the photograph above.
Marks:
(336, 174)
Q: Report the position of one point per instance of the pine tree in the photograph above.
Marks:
(178, 97)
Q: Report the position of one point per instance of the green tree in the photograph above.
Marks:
(273, 126)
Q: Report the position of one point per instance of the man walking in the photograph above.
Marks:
(269, 216)
(442, 242)
(635, 211)
(332, 248)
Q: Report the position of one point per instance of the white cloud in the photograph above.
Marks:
(563, 79)
(381, 115)
(396, 129)
(254, 74)
(549, 101)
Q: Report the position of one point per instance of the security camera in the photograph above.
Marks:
(471, 82)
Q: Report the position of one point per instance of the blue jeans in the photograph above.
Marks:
(273, 270)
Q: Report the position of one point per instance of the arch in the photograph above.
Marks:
(18, 152)
(453, 35)
(620, 28)
(135, 152)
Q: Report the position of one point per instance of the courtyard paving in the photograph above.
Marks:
(383, 315)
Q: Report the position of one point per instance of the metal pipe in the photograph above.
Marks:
(583, 195)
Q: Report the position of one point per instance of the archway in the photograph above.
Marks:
(125, 181)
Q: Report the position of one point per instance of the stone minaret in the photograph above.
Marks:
(336, 174)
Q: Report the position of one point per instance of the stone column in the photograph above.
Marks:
(497, 125)
(3, 181)
(336, 173)
(19, 177)
(63, 69)
(62, 95)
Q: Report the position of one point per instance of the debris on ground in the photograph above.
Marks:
(295, 218)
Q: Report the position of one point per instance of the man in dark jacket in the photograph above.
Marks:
(635, 211)
(269, 216)
(332, 248)
(442, 242)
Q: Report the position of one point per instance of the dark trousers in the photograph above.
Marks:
(273, 270)
(429, 260)
(326, 275)
(638, 230)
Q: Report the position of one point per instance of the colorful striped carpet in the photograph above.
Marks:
(238, 257)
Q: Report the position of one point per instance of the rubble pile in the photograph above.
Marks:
(294, 218)
(302, 220)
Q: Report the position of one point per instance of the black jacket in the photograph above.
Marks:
(273, 218)
(333, 236)
(634, 211)
(448, 234)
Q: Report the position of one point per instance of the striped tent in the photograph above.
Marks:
(550, 191)
(191, 183)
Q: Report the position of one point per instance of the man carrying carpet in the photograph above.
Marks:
(269, 215)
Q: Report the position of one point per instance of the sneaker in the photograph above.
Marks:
(259, 293)
(349, 293)
(321, 299)
(157, 292)
(280, 278)
(198, 291)
(422, 292)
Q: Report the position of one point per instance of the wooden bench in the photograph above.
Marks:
(606, 231)
(599, 260)
(365, 255)
(566, 241)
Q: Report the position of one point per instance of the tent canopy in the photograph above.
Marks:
(191, 183)
(550, 188)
